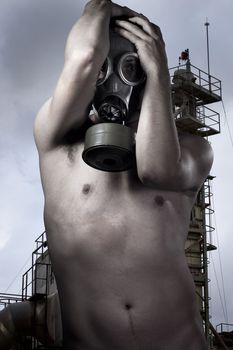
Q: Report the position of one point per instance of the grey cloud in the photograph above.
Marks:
(32, 32)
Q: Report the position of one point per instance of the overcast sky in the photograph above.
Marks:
(32, 39)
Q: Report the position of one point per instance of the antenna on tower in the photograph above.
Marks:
(208, 49)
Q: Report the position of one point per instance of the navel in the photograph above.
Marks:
(159, 200)
(128, 306)
(86, 189)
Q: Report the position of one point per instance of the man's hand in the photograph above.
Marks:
(122, 11)
(116, 10)
(148, 41)
(91, 31)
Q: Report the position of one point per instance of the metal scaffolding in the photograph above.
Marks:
(192, 90)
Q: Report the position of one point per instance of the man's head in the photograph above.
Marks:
(110, 144)
(120, 83)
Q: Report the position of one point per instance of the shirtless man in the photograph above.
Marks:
(116, 240)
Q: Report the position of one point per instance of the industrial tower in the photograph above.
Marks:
(193, 90)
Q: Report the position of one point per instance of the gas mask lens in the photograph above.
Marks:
(104, 72)
(130, 69)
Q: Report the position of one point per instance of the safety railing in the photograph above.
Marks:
(199, 77)
(224, 327)
(209, 118)
(6, 299)
(35, 279)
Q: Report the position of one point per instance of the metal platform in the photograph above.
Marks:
(195, 126)
(204, 95)
(187, 77)
(193, 89)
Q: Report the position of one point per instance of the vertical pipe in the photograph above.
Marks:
(22, 287)
(205, 268)
(208, 50)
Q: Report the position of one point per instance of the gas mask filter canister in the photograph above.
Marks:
(109, 144)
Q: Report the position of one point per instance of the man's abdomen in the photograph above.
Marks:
(117, 307)
(124, 282)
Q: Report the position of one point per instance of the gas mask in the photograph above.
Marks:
(110, 144)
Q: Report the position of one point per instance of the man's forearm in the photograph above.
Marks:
(91, 31)
(157, 144)
(86, 49)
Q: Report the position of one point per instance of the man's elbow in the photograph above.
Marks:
(152, 175)
(84, 61)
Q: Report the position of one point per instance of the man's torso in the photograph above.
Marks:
(117, 249)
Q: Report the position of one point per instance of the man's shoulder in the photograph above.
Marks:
(42, 133)
(194, 143)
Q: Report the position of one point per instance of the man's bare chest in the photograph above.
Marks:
(81, 201)
(97, 193)
(109, 211)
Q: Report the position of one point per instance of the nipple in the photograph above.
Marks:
(128, 306)
(159, 200)
(86, 189)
